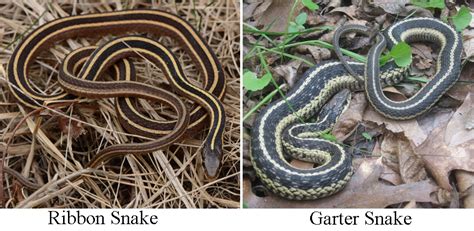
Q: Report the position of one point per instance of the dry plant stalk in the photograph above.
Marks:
(52, 147)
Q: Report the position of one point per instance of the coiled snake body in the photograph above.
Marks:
(278, 132)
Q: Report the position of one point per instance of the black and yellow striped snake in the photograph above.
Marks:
(81, 69)
(279, 135)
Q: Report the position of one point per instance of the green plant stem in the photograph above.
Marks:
(284, 54)
(319, 43)
(290, 16)
(267, 70)
(250, 29)
(262, 33)
(252, 50)
(263, 101)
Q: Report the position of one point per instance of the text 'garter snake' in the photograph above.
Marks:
(111, 57)
(278, 133)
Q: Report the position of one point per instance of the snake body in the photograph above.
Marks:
(85, 84)
(278, 131)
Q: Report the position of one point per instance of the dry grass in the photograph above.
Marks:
(52, 148)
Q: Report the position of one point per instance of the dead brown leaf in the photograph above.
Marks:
(464, 84)
(412, 168)
(363, 191)
(392, 6)
(391, 176)
(302, 164)
(273, 14)
(422, 50)
(288, 71)
(398, 153)
(411, 205)
(350, 11)
(468, 44)
(458, 130)
(249, 8)
(422, 60)
(395, 7)
(465, 183)
(437, 117)
(469, 119)
(369, 9)
(351, 117)
(318, 53)
(449, 147)
(408, 89)
(423, 64)
(409, 128)
(331, 3)
(260, 9)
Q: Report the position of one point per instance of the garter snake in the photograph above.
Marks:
(206, 109)
(278, 132)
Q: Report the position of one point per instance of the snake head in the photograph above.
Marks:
(212, 158)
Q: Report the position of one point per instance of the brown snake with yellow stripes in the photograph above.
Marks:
(111, 56)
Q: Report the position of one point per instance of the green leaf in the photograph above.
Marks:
(367, 136)
(420, 79)
(310, 5)
(328, 136)
(462, 19)
(384, 59)
(253, 83)
(429, 3)
(301, 18)
(401, 54)
(293, 27)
